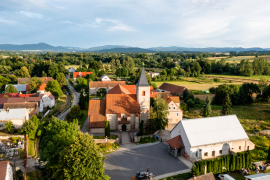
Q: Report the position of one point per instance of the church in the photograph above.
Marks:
(122, 107)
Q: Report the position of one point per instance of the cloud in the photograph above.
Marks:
(6, 21)
(117, 25)
(31, 15)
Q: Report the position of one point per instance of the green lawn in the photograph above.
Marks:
(34, 175)
(31, 147)
(61, 103)
(82, 119)
(4, 133)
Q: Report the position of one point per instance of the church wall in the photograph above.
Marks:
(137, 122)
(112, 118)
(132, 121)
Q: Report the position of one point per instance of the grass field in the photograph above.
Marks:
(238, 58)
(74, 66)
(61, 103)
(31, 147)
(238, 77)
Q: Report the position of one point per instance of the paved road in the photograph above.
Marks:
(86, 126)
(75, 102)
(125, 162)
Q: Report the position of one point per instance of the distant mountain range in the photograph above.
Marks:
(121, 48)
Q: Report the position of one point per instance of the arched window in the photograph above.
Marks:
(143, 93)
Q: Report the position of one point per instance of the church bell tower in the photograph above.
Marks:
(143, 95)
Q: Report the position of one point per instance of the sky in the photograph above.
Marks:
(137, 23)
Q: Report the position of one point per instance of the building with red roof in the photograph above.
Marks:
(79, 74)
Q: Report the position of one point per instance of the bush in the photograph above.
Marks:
(216, 79)
(190, 103)
(15, 131)
(147, 140)
(141, 128)
(108, 147)
(39, 116)
(213, 90)
(189, 96)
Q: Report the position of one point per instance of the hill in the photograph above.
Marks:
(128, 50)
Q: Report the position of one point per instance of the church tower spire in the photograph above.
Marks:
(143, 95)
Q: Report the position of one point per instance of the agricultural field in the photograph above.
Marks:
(238, 58)
(74, 66)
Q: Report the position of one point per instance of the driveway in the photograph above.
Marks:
(125, 162)
(75, 102)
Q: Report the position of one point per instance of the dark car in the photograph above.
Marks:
(144, 175)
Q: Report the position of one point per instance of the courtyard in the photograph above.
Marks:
(130, 158)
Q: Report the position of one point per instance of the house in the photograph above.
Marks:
(48, 99)
(175, 113)
(27, 80)
(208, 176)
(11, 95)
(261, 176)
(21, 88)
(41, 89)
(104, 78)
(79, 74)
(123, 111)
(174, 89)
(71, 70)
(153, 74)
(16, 116)
(6, 170)
(22, 99)
(32, 107)
(94, 86)
(211, 137)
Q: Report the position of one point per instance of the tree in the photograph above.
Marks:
(29, 128)
(81, 160)
(53, 70)
(102, 92)
(75, 111)
(163, 72)
(207, 108)
(263, 82)
(43, 74)
(107, 129)
(124, 72)
(226, 106)
(268, 157)
(54, 88)
(161, 110)
(61, 78)
(11, 89)
(24, 73)
(58, 135)
(9, 126)
(35, 120)
(152, 120)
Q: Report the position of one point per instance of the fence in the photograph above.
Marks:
(138, 138)
(9, 136)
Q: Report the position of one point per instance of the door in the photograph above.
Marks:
(124, 127)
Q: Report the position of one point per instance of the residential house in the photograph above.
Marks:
(41, 89)
(124, 111)
(22, 99)
(48, 99)
(79, 74)
(6, 170)
(16, 116)
(153, 74)
(211, 137)
(94, 86)
(32, 107)
(71, 70)
(208, 176)
(11, 95)
(104, 78)
(175, 113)
(21, 88)
(174, 89)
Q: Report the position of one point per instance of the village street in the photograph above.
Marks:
(130, 158)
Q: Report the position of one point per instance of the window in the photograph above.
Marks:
(213, 153)
(173, 107)
(177, 114)
(239, 147)
(197, 154)
(248, 148)
(220, 151)
(206, 154)
(169, 107)
(1, 125)
(143, 93)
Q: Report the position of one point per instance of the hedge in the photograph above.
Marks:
(230, 162)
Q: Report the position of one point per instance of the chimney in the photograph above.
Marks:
(205, 170)
(168, 96)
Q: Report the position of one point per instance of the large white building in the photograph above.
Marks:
(16, 116)
(211, 137)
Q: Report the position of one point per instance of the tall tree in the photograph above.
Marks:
(24, 73)
(53, 70)
(82, 101)
(61, 78)
(29, 128)
(11, 89)
(9, 126)
(81, 160)
(226, 106)
(54, 88)
(75, 111)
(207, 111)
(161, 111)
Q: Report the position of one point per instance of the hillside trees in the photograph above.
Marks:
(24, 73)
(54, 88)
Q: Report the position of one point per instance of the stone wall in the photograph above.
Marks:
(9, 136)
(99, 141)
(138, 138)
(97, 130)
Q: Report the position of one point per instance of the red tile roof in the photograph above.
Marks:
(172, 88)
(10, 95)
(96, 111)
(176, 142)
(42, 87)
(122, 103)
(105, 84)
(3, 169)
(80, 74)
(168, 99)
(129, 89)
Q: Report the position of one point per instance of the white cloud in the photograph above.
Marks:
(31, 15)
(117, 25)
(6, 21)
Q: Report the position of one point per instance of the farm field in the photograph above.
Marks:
(238, 58)
(74, 66)
(237, 77)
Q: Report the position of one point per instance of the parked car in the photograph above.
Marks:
(144, 175)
